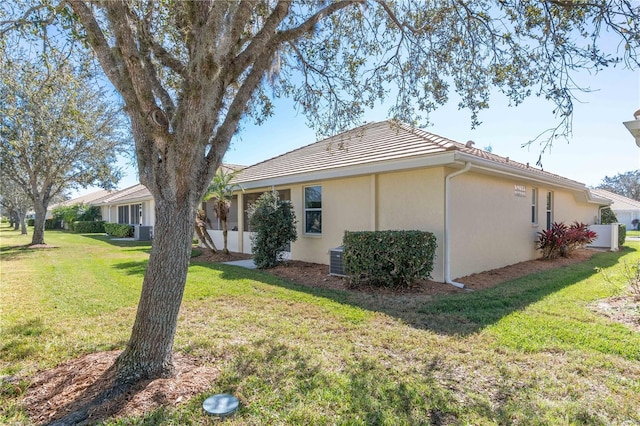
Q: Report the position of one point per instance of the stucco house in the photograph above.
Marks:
(132, 206)
(626, 209)
(484, 210)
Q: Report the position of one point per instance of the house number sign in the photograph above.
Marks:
(520, 191)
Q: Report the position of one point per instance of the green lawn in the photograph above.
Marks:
(633, 233)
(530, 351)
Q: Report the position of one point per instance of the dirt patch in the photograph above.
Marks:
(622, 309)
(316, 275)
(206, 255)
(75, 385)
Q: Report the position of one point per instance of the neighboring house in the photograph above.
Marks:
(132, 206)
(135, 206)
(484, 210)
(83, 199)
(626, 209)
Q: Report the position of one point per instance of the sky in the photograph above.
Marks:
(599, 146)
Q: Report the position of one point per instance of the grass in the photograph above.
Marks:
(633, 233)
(531, 351)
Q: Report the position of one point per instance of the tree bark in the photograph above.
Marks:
(38, 224)
(23, 223)
(225, 250)
(149, 351)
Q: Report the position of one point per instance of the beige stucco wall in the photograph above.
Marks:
(389, 201)
(414, 200)
(490, 225)
(346, 205)
(568, 209)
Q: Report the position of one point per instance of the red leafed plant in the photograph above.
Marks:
(562, 240)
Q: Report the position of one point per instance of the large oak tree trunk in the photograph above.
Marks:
(149, 351)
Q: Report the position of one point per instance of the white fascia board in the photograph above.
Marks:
(442, 159)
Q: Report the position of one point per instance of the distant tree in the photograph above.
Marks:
(68, 214)
(190, 71)
(57, 131)
(16, 201)
(625, 184)
(220, 192)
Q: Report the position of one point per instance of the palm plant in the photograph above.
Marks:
(221, 191)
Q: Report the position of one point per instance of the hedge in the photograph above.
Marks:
(48, 223)
(87, 227)
(622, 234)
(388, 258)
(118, 230)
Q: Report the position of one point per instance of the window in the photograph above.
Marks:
(123, 214)
(549, 209)
(313, 210)
(534, 206)
(136, 214)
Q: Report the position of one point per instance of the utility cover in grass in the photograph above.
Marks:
(221, 405)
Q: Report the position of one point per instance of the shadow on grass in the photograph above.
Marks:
(452, 314)
(132, 268)
(141, 246)
(16, 252)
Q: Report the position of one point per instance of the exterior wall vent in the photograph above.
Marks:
(335, 262)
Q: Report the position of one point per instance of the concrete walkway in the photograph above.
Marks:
(246, 263)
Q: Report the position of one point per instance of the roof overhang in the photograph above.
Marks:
(452, 159)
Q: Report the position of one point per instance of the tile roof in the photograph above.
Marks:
(619, 202)
(371, 143)
(140, 192)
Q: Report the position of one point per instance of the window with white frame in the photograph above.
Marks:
(136, 214)
(549, 209)
(313, 210)
(123, 214)
(534, 206)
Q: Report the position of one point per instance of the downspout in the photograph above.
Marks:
(600, 213)
(447, 245)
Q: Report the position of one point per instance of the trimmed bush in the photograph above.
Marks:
(118, 230)
(388, 258)
(87, 227)
(622, 234)
(273, 223)
(52, 224)
(562, 240)
(31, 222)
(607, 216)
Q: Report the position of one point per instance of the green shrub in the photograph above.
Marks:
(273, 223)
(118, 230)
(622, 234)
(52, 224)
(87, 227)
(608, 216)
(31, 222)
(388, 258)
